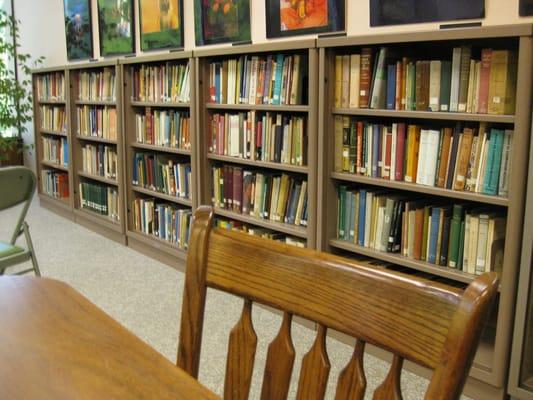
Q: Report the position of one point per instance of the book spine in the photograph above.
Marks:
(366, 76)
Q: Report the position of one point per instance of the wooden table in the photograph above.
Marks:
(55, 344)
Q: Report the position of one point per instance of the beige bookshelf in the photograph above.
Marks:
(489, 372)
(110, 228)
(63, 207)
(148, 244)
(207, 160)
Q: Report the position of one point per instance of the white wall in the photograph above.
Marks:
(42, 29)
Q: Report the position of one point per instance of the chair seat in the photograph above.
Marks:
(7, 249)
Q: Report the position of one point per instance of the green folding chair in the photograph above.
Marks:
(17, 185)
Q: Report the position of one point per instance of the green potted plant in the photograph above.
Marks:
(15, 91)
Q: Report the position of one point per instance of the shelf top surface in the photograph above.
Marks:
(93, 64)
(153, 58)
(46, 70)
(277, 46)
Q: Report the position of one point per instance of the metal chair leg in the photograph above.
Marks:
(26, 230)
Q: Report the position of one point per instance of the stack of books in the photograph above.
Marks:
(475, 159)
(97, 85)
(51, 87)
(55, 150)
(266, 137)
(97, 121)
(161, 83)
(55, 183)
(274, 79)
(461, 83)
(53, 118)
(100, 199)
(261, 232)
(162, 220)
(164, 128)
(100, 160)
(272, 196)
(458, 236)
(162, 174)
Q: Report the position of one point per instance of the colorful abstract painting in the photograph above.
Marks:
(78, 29)
(161, 24)
(219, 21)
(300, 17)
(115, 25)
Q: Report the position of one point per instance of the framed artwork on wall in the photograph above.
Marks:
(78, 29)
(526, 8)
(161, 24)
(398, 12)
(300, 17)
(115, 25)
(221, 21)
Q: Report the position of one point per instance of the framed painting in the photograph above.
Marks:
(526, 8)
(78, 29)
(115, 25)
(301, 17)
(221, 21)
(398, 12)
(161, 24)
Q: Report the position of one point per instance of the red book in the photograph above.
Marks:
(399, 78)
(237, 189)
(220, 134)
(359, 156)
(484, 79)
(388, 149)
(400, 152)
(365, 77)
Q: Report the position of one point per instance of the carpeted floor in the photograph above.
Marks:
(145, 296)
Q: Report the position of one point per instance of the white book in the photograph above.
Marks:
(234, 136)
(431, 157)
(472, 246)
(434, 85)
(456, 73)
(503, 186)
(481, 254)
(475, 99)
(471, 86)
(466, 243)
(422, 154)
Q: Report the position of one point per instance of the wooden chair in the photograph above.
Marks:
(431, 324)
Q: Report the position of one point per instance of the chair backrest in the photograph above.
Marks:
(431, 324)
(17, 185)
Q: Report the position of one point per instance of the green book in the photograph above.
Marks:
(425, 230)
(461, 246)
(349, 224)
(445, 85)
(353, 145)
(341, 212)
(491, 184)
(455, 233)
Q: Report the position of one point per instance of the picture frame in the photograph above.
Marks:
(116, 24)
(161, 24)
(301, 17)
(78, 29)
(221, 21)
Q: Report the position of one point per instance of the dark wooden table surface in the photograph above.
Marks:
(55, 344)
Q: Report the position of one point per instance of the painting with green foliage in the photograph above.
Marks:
(161, 24)
(115, 24)
(78, 29)
(220, 21)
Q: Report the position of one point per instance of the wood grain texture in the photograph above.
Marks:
(352, 381)
(315, 370)
(390, 388)
(58, 345)
(279, 363)
(241, 355)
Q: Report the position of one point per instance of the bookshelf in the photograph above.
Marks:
(216, 105)
(51, 127)
(488, 375)
(147, 100)
(97, 147)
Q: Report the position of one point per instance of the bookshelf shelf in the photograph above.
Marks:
(158, 245)
(102, 219)
(112, 182)
(54, 133)
(265, 223)
(162, 149)
(163, 196)
(258, 107)
(54, 165)
(430, 190)
(259, 164)
(52, 102)
(64, 203)
(96, 139)
(95, 102)
(448, 116)
(169, 104)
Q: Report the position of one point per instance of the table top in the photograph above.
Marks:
(56, 344)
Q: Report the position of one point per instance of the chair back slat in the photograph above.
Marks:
(279, 363)
(352, 381)
(241, 355)
(315, 370)
(17, 185)
(390, 388)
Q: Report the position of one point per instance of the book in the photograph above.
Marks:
(391, 86)
(464, 76)
(502, 82)
(435, 69)
(355, 68)
(445, 85)
(463, 159)
(365, 77)
(379, 83)
(455, 79)
(503, 186)
(484, 79)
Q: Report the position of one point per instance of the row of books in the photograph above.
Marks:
(475, 159)
(100, 159)
(55, 183)
(97, 122)
(53, 118)
(162, 174)
(272, 196)
(386, 80)
(168, 82)
(51, 87)
(271, 79)
(457, 236)
(55, 150)
(164, 128)
(97, 85)
(272, 137)
(162, 220)
(100, 199)
(261, 232)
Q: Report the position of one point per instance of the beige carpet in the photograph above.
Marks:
(145, 296)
